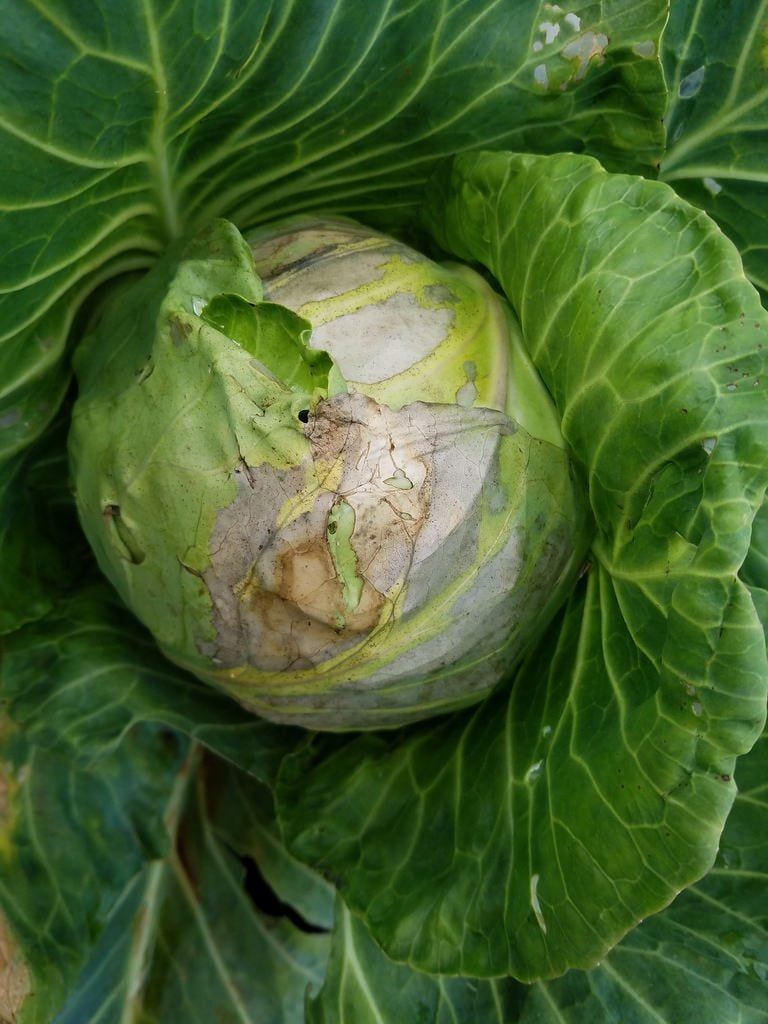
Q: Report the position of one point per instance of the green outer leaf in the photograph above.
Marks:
(77, 681)
(245, 820)
(529, 837)
(41, 549)
(675, 521)
(372, 147)
(755, 569)
(704, 959)
(276, 336)
(583, 255)
(121, 128)
(61, 826)
(33, 371)
(185, 942)
(106, 810)
(716, 61)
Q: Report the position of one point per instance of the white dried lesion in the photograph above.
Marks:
(536, 905)
(286, 593)
(585, 49)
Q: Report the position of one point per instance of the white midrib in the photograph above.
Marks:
(144, 933)
(161, 170)
(357, 969)
(142, 943)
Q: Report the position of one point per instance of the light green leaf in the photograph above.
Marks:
(274, 335)
(529, 837)
(122, 128)
(245, 818)
(716, 60)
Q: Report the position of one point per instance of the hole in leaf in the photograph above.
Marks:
(266, 900)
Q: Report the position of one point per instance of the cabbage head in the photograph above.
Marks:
(322, 470)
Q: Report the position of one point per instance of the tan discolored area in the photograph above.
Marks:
(15, 982)
(281, 593)
(293, 603)
(308, 578)
(288, 591)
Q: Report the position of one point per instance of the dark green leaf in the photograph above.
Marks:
(122, 127)
(716, 59)
(79, 679)
(42, 552)
(187, 941)
(73, 837)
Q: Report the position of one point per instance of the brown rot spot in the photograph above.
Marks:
(179, 330)
(309, 582)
